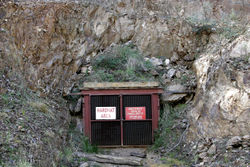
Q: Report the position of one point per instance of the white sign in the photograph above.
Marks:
(105, 112)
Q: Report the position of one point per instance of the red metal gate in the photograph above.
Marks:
(133, 123)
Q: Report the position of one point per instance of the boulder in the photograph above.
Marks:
(167, 62)
(234, 142)
(174, 58)
(78, 105)
(155, 61)
(85, 164)
(212, 150)
(171, 73)
(109, 159)
(174, 93)
(84, 70)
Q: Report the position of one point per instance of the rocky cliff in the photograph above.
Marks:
(51, 43)
(222, 105)
(51, 40)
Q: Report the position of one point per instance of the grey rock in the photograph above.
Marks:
(246, 138)
(84, 70)
(206, 159)
(165, 81)
(164, 76)
(201, 148)
(170, 96)
(188, 57)
(166, 97)
(178, 74)
(236, 140)
(79, 125)
(212, 150)
(176, 88)
(78, 105)
(90, 69)
(71, 107)
(167, 62)
(155, 61)
(85, 164)
(154, 72)
(88, 59)
(174, 58)
(202, 155)
(171, 73)
(160, 67)
(138, 154)
(246, 141)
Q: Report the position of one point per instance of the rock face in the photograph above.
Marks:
(50, 41)
(222, 152)
(170, 94)
(222, 104)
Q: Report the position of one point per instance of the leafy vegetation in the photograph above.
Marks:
(120, 63)
(76, 142)
(168, 117)
(168, 134)
(30, 132)
(169, 162)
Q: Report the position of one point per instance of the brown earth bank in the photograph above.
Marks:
(199, 46)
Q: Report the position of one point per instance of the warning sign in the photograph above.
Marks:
(135, 113)
(105, 112)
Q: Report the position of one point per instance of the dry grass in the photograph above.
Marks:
(40, 107)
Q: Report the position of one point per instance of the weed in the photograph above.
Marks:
(68, 154)
(23, 163)
(5, 98)
(184, 79)
(40, 106)
(167, 135)
(168, 116)
(226, 159)
(83, 159)
(87, 147)
(96, 165)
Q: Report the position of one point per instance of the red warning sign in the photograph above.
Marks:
(135, 113)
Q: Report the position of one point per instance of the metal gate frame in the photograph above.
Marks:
(153, 92)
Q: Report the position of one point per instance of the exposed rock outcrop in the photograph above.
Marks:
(222, 105)
(232, 151)
(51, 40)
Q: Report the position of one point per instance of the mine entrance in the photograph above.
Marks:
(121, 116)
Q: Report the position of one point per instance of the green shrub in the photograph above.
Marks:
(120, 63)
(87, 147)
(79, 142)
(166, 135)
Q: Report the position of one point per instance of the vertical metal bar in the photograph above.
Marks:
(87, 116)
(121, 118)
(83, 115)
(155, 113)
